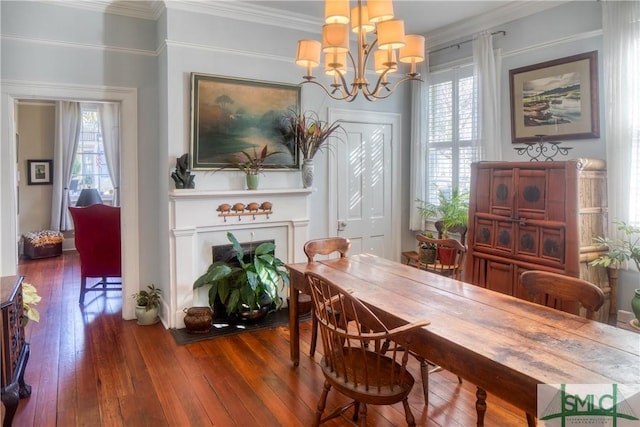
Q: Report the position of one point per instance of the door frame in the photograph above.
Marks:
(128, 99)
(370, 117)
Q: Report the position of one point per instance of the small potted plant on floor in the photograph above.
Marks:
(620, 251)
(248, 289)
(427, 251)
(147, 305)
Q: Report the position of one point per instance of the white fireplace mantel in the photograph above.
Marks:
(196, 226)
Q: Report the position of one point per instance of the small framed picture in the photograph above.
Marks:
(40, 172)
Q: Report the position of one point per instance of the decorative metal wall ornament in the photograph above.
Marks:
(542, 150)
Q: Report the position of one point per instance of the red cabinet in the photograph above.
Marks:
(536, 215)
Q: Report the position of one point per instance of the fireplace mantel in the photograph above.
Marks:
(196, 226)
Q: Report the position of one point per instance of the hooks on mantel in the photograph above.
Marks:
(240, 209)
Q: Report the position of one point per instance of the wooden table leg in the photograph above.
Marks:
(294, 325)
(481, 406)
(531, 420)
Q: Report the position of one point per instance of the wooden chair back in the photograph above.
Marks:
(562, 292)
(326, 246)
(367, 367)
(450, 255)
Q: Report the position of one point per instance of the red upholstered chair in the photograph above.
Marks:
(97, 236)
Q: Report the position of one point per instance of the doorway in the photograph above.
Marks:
(364, 180)
(11, 92)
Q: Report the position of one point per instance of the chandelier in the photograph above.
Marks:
(389, 44)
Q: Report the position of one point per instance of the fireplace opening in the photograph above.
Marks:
(228, 254)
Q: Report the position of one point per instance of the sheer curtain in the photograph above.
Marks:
(487, 72)
(68, 125)
(109, 116)
(621, 64)
(418, 175)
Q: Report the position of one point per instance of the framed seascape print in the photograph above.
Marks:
(39, 172)
(231, 115)
(557, 98)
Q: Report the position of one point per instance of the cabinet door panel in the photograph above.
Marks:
(483, 234)
(505, 237)
(528, 240)
(499, 277)
(532, 186)
(552, 245)
(502, 193)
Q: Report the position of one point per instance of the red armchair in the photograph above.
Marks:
(97, 236)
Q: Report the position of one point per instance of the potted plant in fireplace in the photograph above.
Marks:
(248, 289)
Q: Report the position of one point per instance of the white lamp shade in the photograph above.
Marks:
(335, 62)
(383, 62)
(308, 54)
(413, 50)
(336, 11)
(391, 34)
(380, 10)
(335, 38)
(367, 25)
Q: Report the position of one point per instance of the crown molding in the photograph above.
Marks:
(250, 13)
(509, 12)
(142, 9)
(75, 45)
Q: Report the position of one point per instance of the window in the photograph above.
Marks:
(89, 166)
(452, 127)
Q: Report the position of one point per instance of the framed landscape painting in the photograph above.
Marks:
(231, 115)
(558, 99)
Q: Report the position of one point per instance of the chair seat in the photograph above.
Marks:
(383, 389)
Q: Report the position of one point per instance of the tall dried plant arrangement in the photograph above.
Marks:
(309, 134)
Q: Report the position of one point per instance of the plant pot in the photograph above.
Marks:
(307, 173)
(253, 181)
(427, 256)
(146, 317)
(635, 305)
(446, 256)
(198, 319)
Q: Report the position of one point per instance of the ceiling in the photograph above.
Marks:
(420, 16)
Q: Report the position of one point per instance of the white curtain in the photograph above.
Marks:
(487, 65)
(68, 125)
(621, 64)
(418, 175)
(109, 116)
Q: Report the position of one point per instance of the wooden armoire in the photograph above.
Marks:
(537, 216)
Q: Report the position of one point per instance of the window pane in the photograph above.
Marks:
(440, 112)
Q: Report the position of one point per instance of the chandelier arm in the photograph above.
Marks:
(373, 96)
(347, 97)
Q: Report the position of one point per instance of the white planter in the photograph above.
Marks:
(146, 317)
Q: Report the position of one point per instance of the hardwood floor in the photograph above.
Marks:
(88, 367)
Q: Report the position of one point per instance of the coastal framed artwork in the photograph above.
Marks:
(232, 115)
(557, 99)
(40, 172)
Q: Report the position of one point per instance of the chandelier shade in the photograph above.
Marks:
(373, 19)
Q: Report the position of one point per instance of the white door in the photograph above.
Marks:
(364, 170)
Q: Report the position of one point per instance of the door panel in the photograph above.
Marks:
(364, 203)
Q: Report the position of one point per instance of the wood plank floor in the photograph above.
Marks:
(88, 367)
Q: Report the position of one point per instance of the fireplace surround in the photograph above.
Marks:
(197, 226)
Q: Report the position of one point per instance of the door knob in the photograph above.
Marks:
(342, 225)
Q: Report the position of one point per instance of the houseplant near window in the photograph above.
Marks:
(147, 304)
(427, 250)
(451, 212)
(310, 135)
(248, 289)
(620, 251)
(253, 165)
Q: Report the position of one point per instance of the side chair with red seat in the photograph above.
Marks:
(97, 239)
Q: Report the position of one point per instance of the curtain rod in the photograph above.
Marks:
(504, 33)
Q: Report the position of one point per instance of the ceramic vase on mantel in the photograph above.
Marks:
(307, 173)
(252, 181)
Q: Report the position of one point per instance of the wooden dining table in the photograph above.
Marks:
(504, 345)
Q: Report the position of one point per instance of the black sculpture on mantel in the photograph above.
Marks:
(182, 175)
(542, 150)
